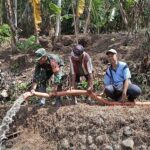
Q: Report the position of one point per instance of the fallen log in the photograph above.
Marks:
(85, 93)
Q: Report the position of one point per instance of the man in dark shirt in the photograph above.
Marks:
(47, 65)
(80, 65)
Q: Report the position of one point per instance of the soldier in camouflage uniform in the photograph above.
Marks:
(47, 65)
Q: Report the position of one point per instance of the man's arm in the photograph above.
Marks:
(72, 73)
(35, 78)
(90, 82)
(125, 88)
(127, 76)
(90, 77)
(73, 78)
(34, 86)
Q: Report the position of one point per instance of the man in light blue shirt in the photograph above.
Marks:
(117, 79)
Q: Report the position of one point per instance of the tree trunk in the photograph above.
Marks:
(88, 18)
(123, 14)
(58, 20)
(1, 12)
(10, 18)
(75, 23)
(15, 14)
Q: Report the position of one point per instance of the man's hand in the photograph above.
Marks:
(90, 89)
(123, 97)
(72, 88)
(32, 91)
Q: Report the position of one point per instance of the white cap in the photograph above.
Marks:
(111, 51)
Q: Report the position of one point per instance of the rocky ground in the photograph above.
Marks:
(82, 126)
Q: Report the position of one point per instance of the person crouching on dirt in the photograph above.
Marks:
(47, 65)
(117, 80)
(80, 65)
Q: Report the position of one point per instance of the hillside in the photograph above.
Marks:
(83, 126)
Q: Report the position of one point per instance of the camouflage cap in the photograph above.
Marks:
(40, 53)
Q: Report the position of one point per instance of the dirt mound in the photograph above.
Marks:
(81, 127)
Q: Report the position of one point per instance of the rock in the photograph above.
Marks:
(101, 139)
(82, 139)
(142, 147)
(67, 49)
(84, 40)
(83, 147)
(93, 147)
(4, 93)
(127, 131)
(90, 139)
(64, 144)
(43, 41)
(109, 130)
(128, 144)
(106, 147)
(67, 40)
(9, 144)
(58, 46)
(25, 147)
(131, 119)
(97, 121)
(50, 46)
(122, 122)
(115, 137)
(116, 147)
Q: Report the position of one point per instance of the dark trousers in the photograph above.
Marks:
(78, 78)
(43, 80)
(132, 93)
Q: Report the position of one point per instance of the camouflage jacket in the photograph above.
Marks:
(44, 71)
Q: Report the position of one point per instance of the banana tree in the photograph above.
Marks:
(58, 23)
(56, 10)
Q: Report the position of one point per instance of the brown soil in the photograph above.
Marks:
(81, 126)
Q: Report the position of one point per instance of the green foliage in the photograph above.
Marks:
(67, 16)
(48, 89)
(105, 15)
(15, 67)
(5, 30)
(82, 85)
(23, 86)
(54, 8)
(129, 4)
(5, 33)
(28, 44)
(96, 85)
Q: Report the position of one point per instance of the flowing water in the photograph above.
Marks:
(8, 119)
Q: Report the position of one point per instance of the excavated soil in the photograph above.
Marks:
(81, 126)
